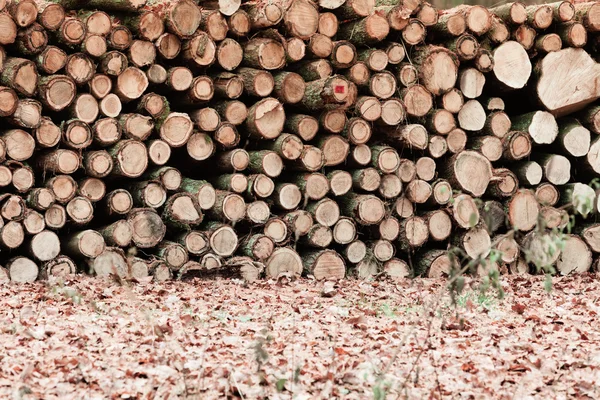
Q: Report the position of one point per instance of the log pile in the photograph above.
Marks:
(273, 137)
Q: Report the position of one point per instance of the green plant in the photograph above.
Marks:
(540, 250)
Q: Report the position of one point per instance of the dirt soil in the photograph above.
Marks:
(88, 338)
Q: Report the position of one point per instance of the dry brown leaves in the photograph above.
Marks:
(90, 338)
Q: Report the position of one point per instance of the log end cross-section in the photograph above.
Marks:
(563, 89)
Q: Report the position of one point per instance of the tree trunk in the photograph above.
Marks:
(118, 234)
(60, 267)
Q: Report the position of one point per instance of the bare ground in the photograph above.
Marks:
(89, 338)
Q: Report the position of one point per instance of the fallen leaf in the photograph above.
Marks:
(518, 308)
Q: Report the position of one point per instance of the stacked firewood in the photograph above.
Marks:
(273, 137)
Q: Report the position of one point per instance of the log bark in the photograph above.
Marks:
(60, 267)
(367, 179)
(476, 242)
(258, 246)
(517, 145)
(228, 206)
(203, 191)
(84, 244)
(118, 234)
(365, 209)
(548, 43)
(369, 30)
(504, 183)
(529, 173)
(414, 233)
(511, 13)
(318, 236)
(119, 38)
(118, 202)
(61, 161)
(182, 211)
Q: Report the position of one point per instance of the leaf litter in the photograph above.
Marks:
(92, 338)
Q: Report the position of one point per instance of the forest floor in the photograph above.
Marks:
(91, 338)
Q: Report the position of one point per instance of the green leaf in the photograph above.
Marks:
(548, 283)
(378, 393)
(473, 219)
(385, 308)
(281, 384)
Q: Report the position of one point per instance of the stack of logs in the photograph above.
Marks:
(348, 137)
